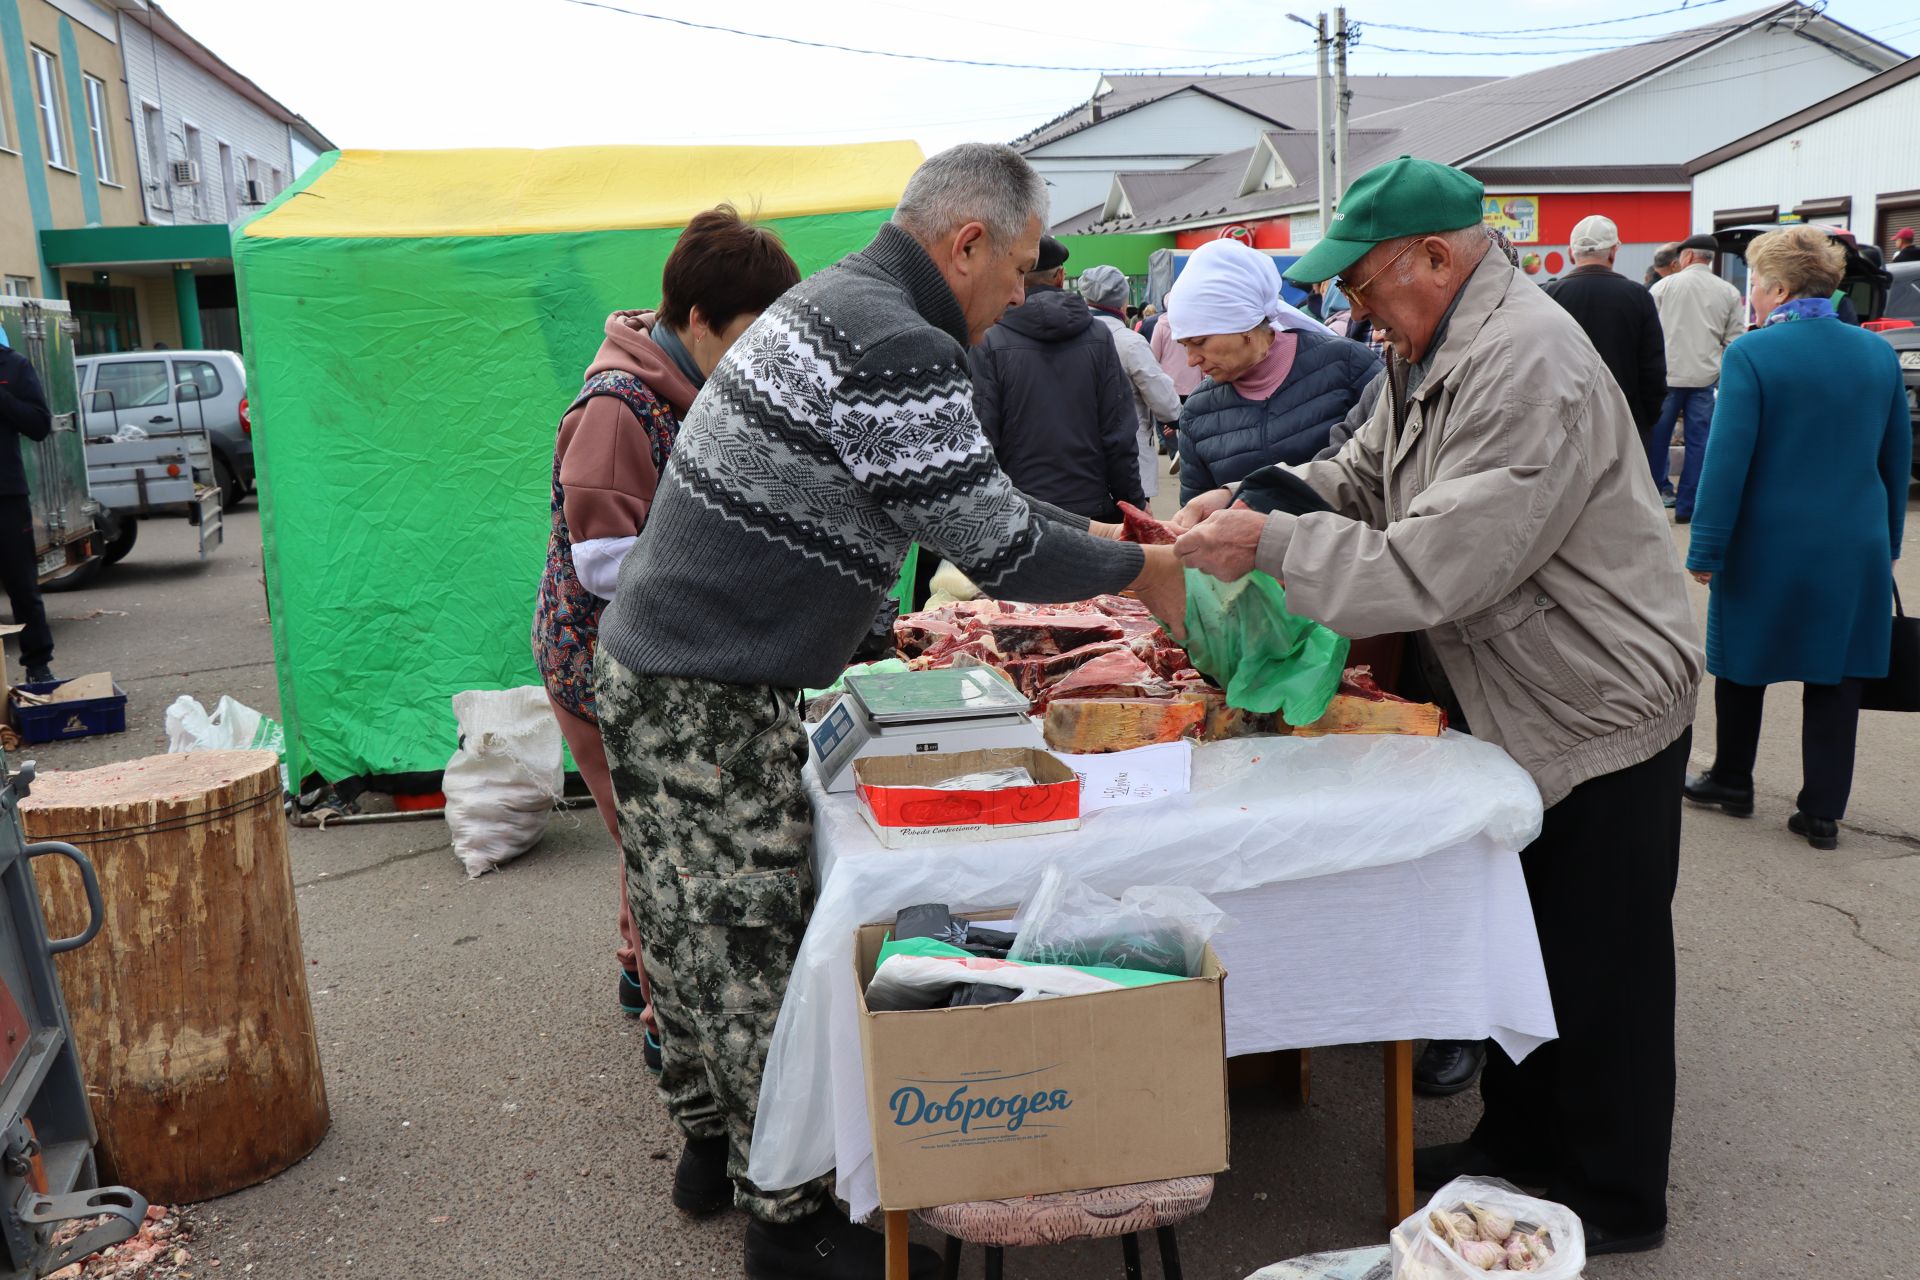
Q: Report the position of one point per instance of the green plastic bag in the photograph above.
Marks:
(1267, 660)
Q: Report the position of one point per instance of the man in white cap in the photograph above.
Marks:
(1619, 317)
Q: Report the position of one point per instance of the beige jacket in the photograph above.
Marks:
(1512, 517)
(1700, 314)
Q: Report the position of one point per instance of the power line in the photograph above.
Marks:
(1511, 33)
(916, 57)
(1051, 35)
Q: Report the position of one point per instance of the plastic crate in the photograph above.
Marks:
(85, 718)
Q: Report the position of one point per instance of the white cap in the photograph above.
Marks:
(1594, 234)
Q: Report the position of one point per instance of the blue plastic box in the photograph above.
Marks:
(85, 718)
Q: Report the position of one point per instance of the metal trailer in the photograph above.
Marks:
(64, 513)
(136, 475)
(47, 1172)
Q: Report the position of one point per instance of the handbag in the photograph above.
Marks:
(1899, 689)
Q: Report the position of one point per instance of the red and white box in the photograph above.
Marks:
(904, 809)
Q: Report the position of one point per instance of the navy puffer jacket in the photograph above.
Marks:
(1226, 437)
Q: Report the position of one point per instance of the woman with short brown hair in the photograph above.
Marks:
(612, 446)
(1797, 524)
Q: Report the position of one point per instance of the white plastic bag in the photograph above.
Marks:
(1419, 1252)
(503, 782)
(1159, 928)
(233, 726)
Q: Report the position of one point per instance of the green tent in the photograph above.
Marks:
(416, 323)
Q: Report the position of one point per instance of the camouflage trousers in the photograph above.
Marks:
(717, 833)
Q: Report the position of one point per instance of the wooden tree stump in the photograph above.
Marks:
(190, 1010)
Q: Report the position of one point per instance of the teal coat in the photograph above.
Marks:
(1801, 502)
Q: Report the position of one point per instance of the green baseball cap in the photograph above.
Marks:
(1404, 197)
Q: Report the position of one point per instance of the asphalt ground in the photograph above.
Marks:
(491, 1116)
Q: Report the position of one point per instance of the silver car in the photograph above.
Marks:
(166, 392)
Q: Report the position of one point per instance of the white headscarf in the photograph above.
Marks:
(1229, 287)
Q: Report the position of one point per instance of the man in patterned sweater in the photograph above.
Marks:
(839, 429)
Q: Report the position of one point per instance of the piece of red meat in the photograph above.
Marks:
(1358, 682)
(1048, 633)
(1033, 675)
(1138, 526)
(1112, 675)
(915, 633)
(1119, 607)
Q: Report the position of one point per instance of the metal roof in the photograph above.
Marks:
(1458, 126)
(1286, 101)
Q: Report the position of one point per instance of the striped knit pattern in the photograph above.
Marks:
(838, 430)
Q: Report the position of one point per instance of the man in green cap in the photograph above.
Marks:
(1497, 505)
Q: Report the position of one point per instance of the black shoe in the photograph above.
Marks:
(701, 1185)
(1600, 1240)
(826, 1246)
(1683, 519)
(1821, 833)
(1702, 789)
(1435, 1167)
(1446, 1067)
(650, 1053)
(41, 675)
(632, 999)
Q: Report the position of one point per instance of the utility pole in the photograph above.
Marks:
(1342, 96)
(1320, 113)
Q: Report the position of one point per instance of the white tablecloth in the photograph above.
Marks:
(1374, 882)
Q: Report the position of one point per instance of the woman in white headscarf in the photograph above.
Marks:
(1277, 381)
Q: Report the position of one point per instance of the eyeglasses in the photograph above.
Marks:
(1356, 292)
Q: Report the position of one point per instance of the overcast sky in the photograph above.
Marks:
(540, 73)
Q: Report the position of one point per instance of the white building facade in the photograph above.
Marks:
(1852, 161)
(213, 146)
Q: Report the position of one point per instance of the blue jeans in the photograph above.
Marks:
(1694, 406)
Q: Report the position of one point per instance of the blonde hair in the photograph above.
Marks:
(1806, 261)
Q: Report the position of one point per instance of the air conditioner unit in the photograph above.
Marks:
(186, 173)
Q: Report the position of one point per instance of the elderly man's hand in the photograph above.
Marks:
(1223, 544)
(1702, 576)
(1201, 507)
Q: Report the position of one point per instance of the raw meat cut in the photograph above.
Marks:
(1040, 633)
(1112, 675)
(1138, 526)
(1362, 706)
(1032, 675)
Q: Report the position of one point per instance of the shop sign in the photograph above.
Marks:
(1516, 217)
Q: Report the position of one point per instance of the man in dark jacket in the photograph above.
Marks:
(1619, 317)
(1055, 401)
(23, 412)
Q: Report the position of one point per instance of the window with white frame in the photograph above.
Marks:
(229, 184)
(97, 128)
(154, 129)
(46, 81)
(19, 287)
(196, 198)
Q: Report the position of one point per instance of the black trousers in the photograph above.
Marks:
(1593, 1110)
(1829, 719)
(20, 575)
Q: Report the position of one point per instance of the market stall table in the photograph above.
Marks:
(1374, 881)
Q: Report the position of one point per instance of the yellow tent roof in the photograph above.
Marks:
(502, 192)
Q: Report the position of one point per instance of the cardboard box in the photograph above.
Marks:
(905, 810)
(1044, 1095)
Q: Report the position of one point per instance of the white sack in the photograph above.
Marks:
(505, 779)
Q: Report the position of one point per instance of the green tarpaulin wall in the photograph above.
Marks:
(416, 323)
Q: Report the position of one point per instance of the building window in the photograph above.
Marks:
(46, 80)
(97, 128)
(19, 287)
(254, 194)
(196, 198)
(154, 129)
(229, 184)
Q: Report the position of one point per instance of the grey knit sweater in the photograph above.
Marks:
(839, 429)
